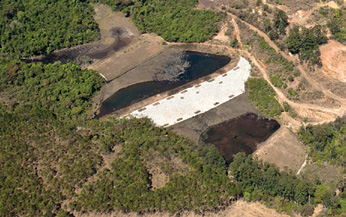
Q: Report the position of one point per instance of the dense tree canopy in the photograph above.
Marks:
(326, 142)
(306, 43)
(37, 126)
(32, 27)
(263, 96)
(53, 158)
(253, 174)
(64, 89)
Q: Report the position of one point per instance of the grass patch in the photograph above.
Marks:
(263, 97)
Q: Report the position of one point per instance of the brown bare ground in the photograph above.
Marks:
(158, 177)
(332, 4)
(333, 57)
(141, 48)
(147, 46)
(283, 149)
(306, 17)
(155, 164)
(108, 19)
(316, 116)
(221, 36)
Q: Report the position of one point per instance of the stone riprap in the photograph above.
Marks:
(198, 99)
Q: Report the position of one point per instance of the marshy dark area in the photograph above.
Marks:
(241, 134)
(122, 39)
(194, 65)
(85, 54)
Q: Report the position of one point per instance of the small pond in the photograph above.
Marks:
(199, 65)
(241, 134)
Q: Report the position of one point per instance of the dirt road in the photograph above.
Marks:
(236, 30)
(294, 59)
(281, 97)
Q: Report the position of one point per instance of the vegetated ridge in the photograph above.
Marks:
(54, 157)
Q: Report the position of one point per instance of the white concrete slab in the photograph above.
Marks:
(198, 99)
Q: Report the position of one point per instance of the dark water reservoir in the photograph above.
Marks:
(200, 64)
(241, 134)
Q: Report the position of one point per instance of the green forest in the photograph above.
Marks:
(53, 152)
(306, 43)
(34, 27)
(39, 27)
(336, 22)
(326, 142)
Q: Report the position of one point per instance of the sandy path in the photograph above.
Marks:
(237, 32)
(301, 108)
(221, 36)
(294, 59)
(302, 20)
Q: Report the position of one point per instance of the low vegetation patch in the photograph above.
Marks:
(282, 72)
(263, 97)
(335, 22)
(285, 70)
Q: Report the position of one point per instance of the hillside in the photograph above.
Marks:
(60, 61)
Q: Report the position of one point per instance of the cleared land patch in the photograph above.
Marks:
(333, 56)
(117, 64)
(283, 149)
(139, 49)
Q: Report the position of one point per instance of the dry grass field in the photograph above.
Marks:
(283, 149)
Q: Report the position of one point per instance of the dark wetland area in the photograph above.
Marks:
(240, 134)
(193, 65)
(85, 54)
